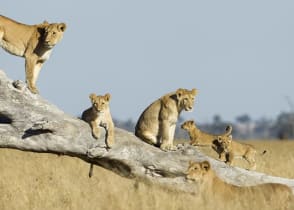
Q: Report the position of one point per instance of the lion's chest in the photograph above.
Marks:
(101, 120)
(170, 113)
(45, 56)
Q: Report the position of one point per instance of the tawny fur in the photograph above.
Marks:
(99, 116)
(210, 184)
(233, 149)
(157, 123)
(33, 42)
(201, 138)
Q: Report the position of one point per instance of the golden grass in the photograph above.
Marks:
(39, 181)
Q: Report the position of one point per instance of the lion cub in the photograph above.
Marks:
(233, 149)
(99, 116)
(200, 138)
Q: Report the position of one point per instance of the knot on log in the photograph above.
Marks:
(96, 152)
(19, 85)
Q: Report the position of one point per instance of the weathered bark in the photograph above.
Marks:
(28, 122)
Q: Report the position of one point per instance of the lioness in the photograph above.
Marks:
(210, 184)
(33, 42)
(233, 149)
(99, 116)
(157, 123)
(201, 138)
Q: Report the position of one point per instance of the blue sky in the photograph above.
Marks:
(238, 54)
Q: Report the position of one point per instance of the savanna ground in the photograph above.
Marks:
(40, 181)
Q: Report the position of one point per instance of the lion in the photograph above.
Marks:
(211, 185)
(99, 116)
(157, 123)
(33, 42)
(201, 138)
(233, 149)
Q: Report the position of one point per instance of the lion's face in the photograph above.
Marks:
(187, 125)
(186, 98)
(197, 170)
(100, 103)
(53, 34)
(225, 142)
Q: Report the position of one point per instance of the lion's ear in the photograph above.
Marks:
(45, 22)
(205, 165)
(107, 96)
(219, 139)
(61, 27)
(179, 92)
(191, 162)
(194, 91)
(92, 96)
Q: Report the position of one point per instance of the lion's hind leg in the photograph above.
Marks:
(149, 138)
(250, 158)
(1, 33)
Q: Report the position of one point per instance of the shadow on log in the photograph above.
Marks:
(30, 123)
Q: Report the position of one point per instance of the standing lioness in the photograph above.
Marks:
(33, 42)
(157, 123)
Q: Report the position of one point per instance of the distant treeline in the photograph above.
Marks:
(243, 127)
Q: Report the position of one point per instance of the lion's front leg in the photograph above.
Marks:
(32, 72)
(95, 130)
(229, 158)
(167, 136)
(222, 156)
(109, 139)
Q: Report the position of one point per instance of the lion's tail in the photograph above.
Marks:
(264, 151)
(229, 129)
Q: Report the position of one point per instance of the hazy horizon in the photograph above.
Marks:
(237, 54)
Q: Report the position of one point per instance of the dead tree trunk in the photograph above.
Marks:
(30, 123)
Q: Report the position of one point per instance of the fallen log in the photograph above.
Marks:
(30, 123)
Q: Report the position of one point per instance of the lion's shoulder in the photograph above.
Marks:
(23, 39)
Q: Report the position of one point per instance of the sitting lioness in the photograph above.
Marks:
(233, 149)
(201, 138)
(99, 116)
(212, 186)
(33, 42)
(157, 123)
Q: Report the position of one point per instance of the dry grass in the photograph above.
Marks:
(34, 181)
